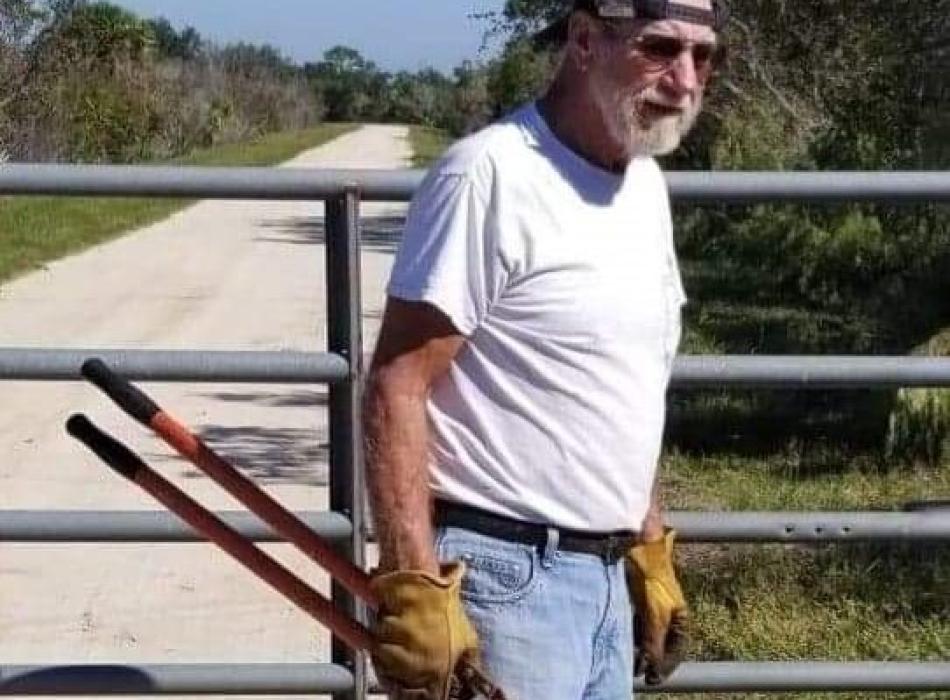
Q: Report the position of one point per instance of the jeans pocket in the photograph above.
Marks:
(495, 571)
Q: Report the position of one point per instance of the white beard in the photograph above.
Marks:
(640, 136)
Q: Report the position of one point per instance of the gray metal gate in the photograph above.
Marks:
(341, 368)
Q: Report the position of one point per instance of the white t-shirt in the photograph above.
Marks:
(564, 279)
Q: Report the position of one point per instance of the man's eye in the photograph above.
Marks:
(703, 54)
(662, 47)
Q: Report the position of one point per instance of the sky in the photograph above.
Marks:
(395, 34)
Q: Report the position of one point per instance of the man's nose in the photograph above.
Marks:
(681, 76)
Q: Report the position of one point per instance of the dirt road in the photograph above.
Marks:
(218, 275)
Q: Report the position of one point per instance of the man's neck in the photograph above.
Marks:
(573, 118)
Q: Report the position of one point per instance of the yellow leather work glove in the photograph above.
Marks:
(660, 627)
(421, 631)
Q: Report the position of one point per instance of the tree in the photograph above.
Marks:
(470, 104)
(251, 59)
(352, 87)
(520, 74)
(186, 45)
(99, 31)
(421, 98)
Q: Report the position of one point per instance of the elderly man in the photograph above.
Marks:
(516, 401)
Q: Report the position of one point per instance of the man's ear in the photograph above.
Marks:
(581, 34)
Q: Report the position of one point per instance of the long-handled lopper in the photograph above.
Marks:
(469, 681)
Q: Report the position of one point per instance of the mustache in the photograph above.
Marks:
(684, 113)
(655, 98)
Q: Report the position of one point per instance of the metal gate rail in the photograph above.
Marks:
(310, 679)
(719, 187)
(689, 372)
(929, 524)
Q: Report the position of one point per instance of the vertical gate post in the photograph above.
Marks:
(344, 337)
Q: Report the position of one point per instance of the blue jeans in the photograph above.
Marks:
(553, 624)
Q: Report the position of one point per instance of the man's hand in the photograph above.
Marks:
(661, 616)
(421, 631)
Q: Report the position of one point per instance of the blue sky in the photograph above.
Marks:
(396, 34)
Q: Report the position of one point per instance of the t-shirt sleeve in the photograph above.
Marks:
(448, 255)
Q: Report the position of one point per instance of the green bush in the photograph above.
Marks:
(108, 124)
(919, 423)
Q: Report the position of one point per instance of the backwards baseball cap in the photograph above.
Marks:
(636, 9)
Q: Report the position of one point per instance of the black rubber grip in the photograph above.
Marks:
(129, 398)
(106, 447)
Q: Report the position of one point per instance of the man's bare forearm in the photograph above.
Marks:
(397, 471)
(652, 527)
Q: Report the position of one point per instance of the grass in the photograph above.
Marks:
(36, 230)
(782, 482)
(267, 150)
(836, 603)
(804, 451)
(832, 602)
(427, 145)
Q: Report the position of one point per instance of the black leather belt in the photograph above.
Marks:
(609, 546)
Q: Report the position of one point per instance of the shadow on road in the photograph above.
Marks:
(300, 398)
(380, 234)
(270, 455)
(92, 679)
